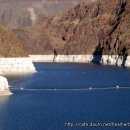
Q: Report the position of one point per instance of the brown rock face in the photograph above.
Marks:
(10, 46)
(102, 27)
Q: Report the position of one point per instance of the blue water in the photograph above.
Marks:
(36, 109)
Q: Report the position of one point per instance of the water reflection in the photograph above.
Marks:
(4, 100)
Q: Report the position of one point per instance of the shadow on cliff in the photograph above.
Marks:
(97, 55)
(124, 54)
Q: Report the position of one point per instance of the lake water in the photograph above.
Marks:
(59, 94)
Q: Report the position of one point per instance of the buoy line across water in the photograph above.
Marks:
(71, 89)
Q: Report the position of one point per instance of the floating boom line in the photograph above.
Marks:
(71, 89)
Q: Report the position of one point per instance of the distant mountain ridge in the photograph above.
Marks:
(26, 13)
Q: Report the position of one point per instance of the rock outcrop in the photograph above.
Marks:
(4, 87)
(100, 28)
(16, 65)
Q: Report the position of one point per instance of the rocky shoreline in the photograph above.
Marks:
(12, 66)
(104, 59)
(24, 65)
(21, 65)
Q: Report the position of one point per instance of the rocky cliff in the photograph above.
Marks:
(100, 28)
